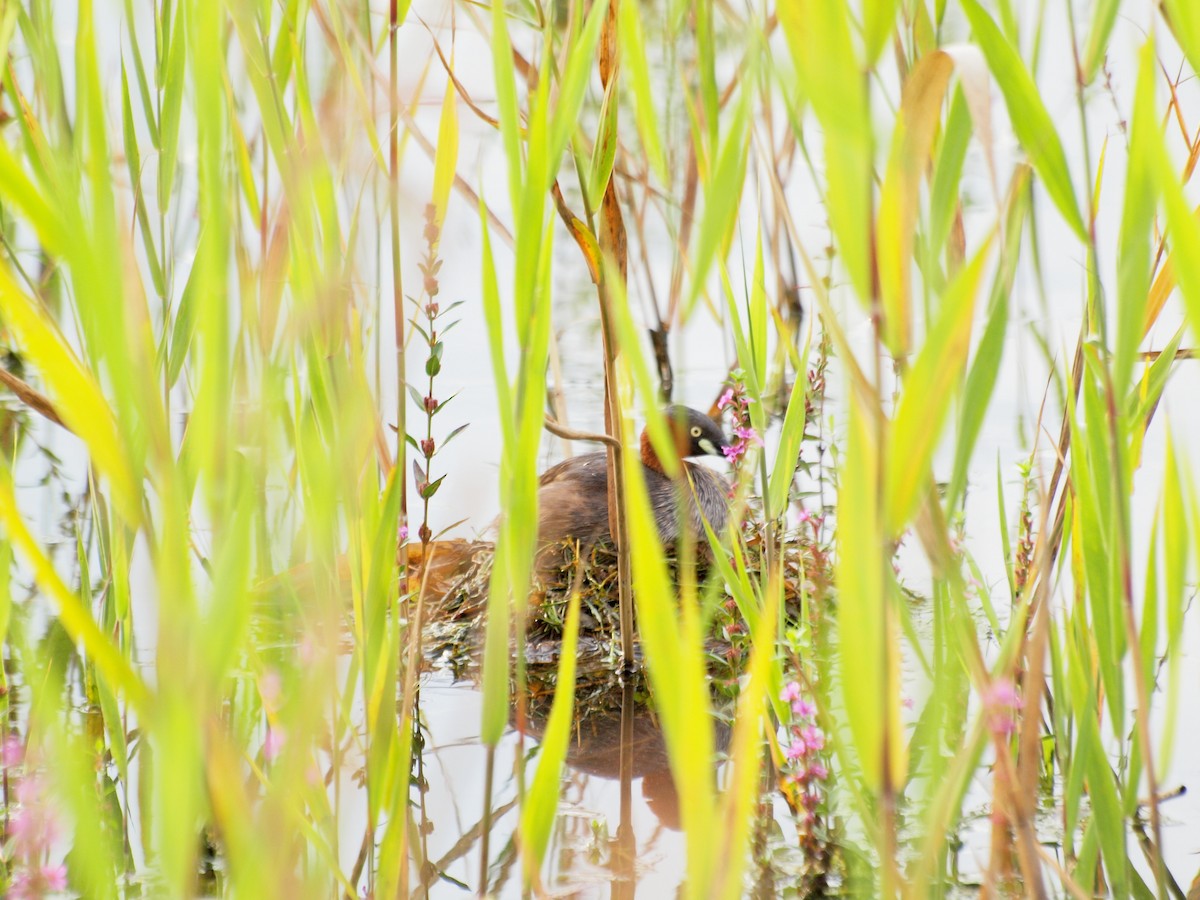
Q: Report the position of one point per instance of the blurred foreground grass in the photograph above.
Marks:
(202, 280)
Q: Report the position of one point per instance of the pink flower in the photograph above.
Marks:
(273, 745)
(734, 451)
(748, 435)
(37, 882)
(1002, 692)
(403, 533)
(818, 771)
(814, 737)
(270, 686)
(726, 399)
(1000, 699)
(33, 828)
(56, 877)
(12, 752)
(802, 709)
(796, 751)
(790, 692)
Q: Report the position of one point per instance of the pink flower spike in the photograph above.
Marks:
(749, 435)
(1000, 698)
(22, 887)
(796, 751)
(790, 692)
(12, 752)
(55, 877)
(1002, 692)
(726, 398)
(802, 709)
(814, 737)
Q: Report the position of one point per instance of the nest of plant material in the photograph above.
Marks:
(455, 578)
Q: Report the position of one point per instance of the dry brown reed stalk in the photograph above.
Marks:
(614, 253)
(35, 400)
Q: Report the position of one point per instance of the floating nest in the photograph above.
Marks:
(454, 578)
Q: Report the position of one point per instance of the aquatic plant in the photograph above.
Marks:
(213, 649)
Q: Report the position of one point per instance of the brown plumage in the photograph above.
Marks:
(573, 503)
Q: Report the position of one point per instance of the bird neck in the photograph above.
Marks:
(649, 456)
(651, 459)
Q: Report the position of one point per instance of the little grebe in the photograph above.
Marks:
(573, 495)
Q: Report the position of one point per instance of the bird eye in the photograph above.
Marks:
(695, 431)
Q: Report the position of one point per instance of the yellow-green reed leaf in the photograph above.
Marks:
(233, 811)
(604, 151)
(1104, 15)
(506, 100)
(1146, 393)
(76, 395)
(733, 573)
(531, 399)
(571, 89)
(172, 106)
(133, 159)
(1106, 808)
(6, 598)
(791, 436)
(245, 167)
(446, 158)
(1175, 564)
(673, 642)
(947, 173)
(928, 389)
(985, 367)
(944, 808)
(1092, 479)
(493, 319)
(494, 682)
(722, 194)
(73, 613)
(1137, 221)
(43, 216)
(757, 315)
(1184, 18)
(879, 21)
(1030, 120)
(861, 590)
(531, 204)
(899, 199)
(818, 34)
(750, 725)
(139, 68)
(633, 57)
(541, 799)
(707, 77)
(8, 26)
(185, 317)
(1184, 231)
